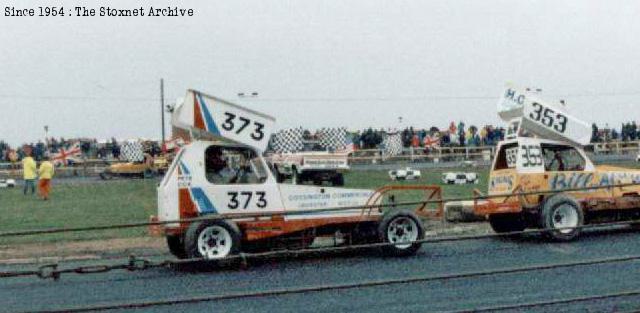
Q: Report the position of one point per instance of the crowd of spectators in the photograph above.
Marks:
(456, 135)
(89, 149)
(628, 132)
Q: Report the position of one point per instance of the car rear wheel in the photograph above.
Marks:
(563, 216)
(401, 228)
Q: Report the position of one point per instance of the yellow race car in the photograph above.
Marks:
(151, 167)
(543, 153)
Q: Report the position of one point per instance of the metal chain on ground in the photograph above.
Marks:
(47, 259)
(210, 217)
(51, 271)
(332, 287)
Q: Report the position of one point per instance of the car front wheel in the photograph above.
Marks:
(563, 217)
(212, 240)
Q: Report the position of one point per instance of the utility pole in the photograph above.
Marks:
(162, 107)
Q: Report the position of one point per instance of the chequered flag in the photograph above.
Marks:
(333, 138)
(132, 151)
(392, 144)
(287, 140)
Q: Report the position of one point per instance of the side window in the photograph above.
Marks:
(507, 157)
(233, 165)
(562, 159)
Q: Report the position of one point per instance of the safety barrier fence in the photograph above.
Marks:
(93, 167)
(599, 147)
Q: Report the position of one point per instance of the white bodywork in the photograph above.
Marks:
(459, 178)
(405, 174)
(528, 132)
(188, 172)
(527, 113)
(220, 119)
(526, 155)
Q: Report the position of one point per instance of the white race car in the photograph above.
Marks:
(7, 183)
(453, 178)
(313, 166)
(222, 172)
(405, 174)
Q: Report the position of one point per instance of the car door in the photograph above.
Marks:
(236, 180)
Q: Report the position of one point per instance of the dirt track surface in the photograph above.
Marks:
(74, 250)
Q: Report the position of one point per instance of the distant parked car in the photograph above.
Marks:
(453, 178)
(7, 183)
(405, 174)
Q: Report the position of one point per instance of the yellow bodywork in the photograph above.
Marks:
(129, 168)
(509, 181)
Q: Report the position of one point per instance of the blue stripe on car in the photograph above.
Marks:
(211, 124)
(184, 168)
(203, 201)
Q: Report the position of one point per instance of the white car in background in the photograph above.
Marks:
(7, 183)
(405, 174)
(459, 178)
(312, 166)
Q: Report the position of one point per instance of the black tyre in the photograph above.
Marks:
(176, 246)
(506, 223)
(562, 212)
(338, 180)
(402, 227)
(212, 240)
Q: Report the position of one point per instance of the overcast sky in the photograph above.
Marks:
(355, 63)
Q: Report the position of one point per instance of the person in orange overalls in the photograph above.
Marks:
(45, 172)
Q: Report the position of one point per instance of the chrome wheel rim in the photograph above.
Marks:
(565, 216)
(214, 242)
(402, 231)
